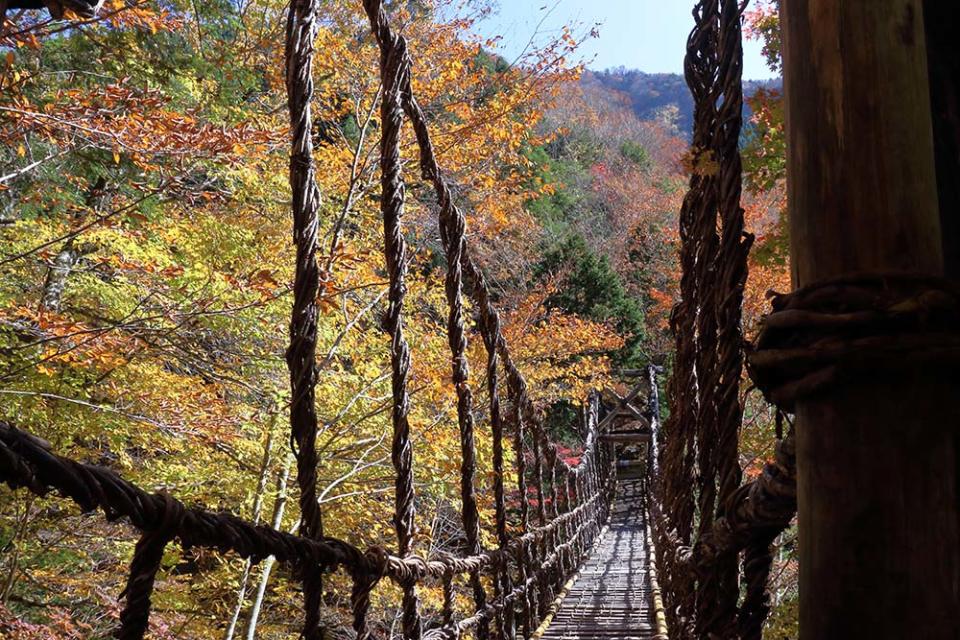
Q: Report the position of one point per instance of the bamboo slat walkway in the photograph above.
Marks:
(611, 597)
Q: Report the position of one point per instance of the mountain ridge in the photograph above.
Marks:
(661, 96)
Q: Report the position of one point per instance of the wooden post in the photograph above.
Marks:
(877, 465)
(943, 59)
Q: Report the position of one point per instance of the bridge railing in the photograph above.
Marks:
(545, 555)
(713, 533)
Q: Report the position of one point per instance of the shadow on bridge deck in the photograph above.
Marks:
(611, 596)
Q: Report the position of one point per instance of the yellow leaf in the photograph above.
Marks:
(21, 151)
(116, 156)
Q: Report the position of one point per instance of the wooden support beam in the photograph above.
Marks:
(627, 437)
(632, 412)
(622, 402)
(634, 373)
(876, 458)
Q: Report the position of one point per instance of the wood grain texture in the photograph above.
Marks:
(876, 458)
(862, 184)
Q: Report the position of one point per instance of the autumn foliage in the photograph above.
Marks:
(146, 281)
(146, 268)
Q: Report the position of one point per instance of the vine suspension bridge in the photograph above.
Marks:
(607, 549)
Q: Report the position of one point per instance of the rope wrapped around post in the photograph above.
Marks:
(827, 333)
(816, 338)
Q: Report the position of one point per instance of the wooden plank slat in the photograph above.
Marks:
(612, 597)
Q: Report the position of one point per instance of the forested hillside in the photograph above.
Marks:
(146, 271)
(662, 97)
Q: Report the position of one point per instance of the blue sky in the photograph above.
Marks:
(648, 35)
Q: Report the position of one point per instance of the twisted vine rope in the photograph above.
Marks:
(707, 259)
(453, 238)
(453, 224)
(731, 278)
(144, 566)
(27, 462)
(700, 577)
(679, 450)
(394, 72)
(302, 352)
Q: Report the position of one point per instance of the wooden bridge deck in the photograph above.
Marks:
(611, 597)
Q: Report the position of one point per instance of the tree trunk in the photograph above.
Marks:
(278, 509)
(876, 461)
(57, 276)
(71, 252)
(256, 511)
